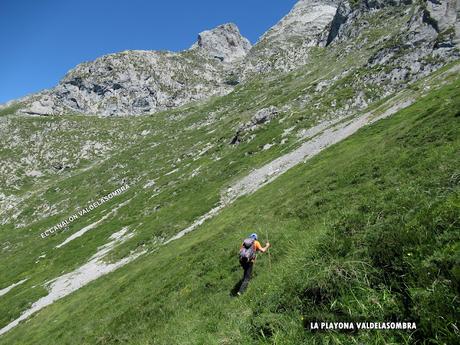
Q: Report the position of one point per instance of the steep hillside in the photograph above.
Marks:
(364, 64)
(359, 235)
(365, 230)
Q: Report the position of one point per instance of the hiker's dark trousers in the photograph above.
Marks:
(247, 267)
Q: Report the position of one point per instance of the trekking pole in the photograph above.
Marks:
(268, 251)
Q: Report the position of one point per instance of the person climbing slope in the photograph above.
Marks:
(248, 251)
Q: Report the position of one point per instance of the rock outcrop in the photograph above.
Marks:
(445, 18)
(139, 82)
(224, 43)
(286, 45)
(420, 46)
(443, 12)
(259, 118)
(340, 18)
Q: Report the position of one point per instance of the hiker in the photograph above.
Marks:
(248, 251)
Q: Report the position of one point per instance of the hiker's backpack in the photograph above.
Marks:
(247, 252)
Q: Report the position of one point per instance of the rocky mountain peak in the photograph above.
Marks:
(224, 43)
(308, 18)
(286, 45)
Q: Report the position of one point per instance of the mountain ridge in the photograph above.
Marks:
(149, 81)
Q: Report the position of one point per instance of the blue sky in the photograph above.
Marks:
(41, 40)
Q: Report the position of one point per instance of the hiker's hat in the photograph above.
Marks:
(254, 236)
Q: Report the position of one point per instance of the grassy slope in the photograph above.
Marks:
(172, 204)
(367, 230)
(296, 89)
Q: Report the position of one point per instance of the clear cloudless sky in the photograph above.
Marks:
(40, 40)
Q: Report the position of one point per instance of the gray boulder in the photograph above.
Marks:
(261, 117)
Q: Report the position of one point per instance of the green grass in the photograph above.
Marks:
(327, 219)
(10, 110)
(367, 230)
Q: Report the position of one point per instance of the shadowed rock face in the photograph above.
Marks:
(443, 12)
(340, 18)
